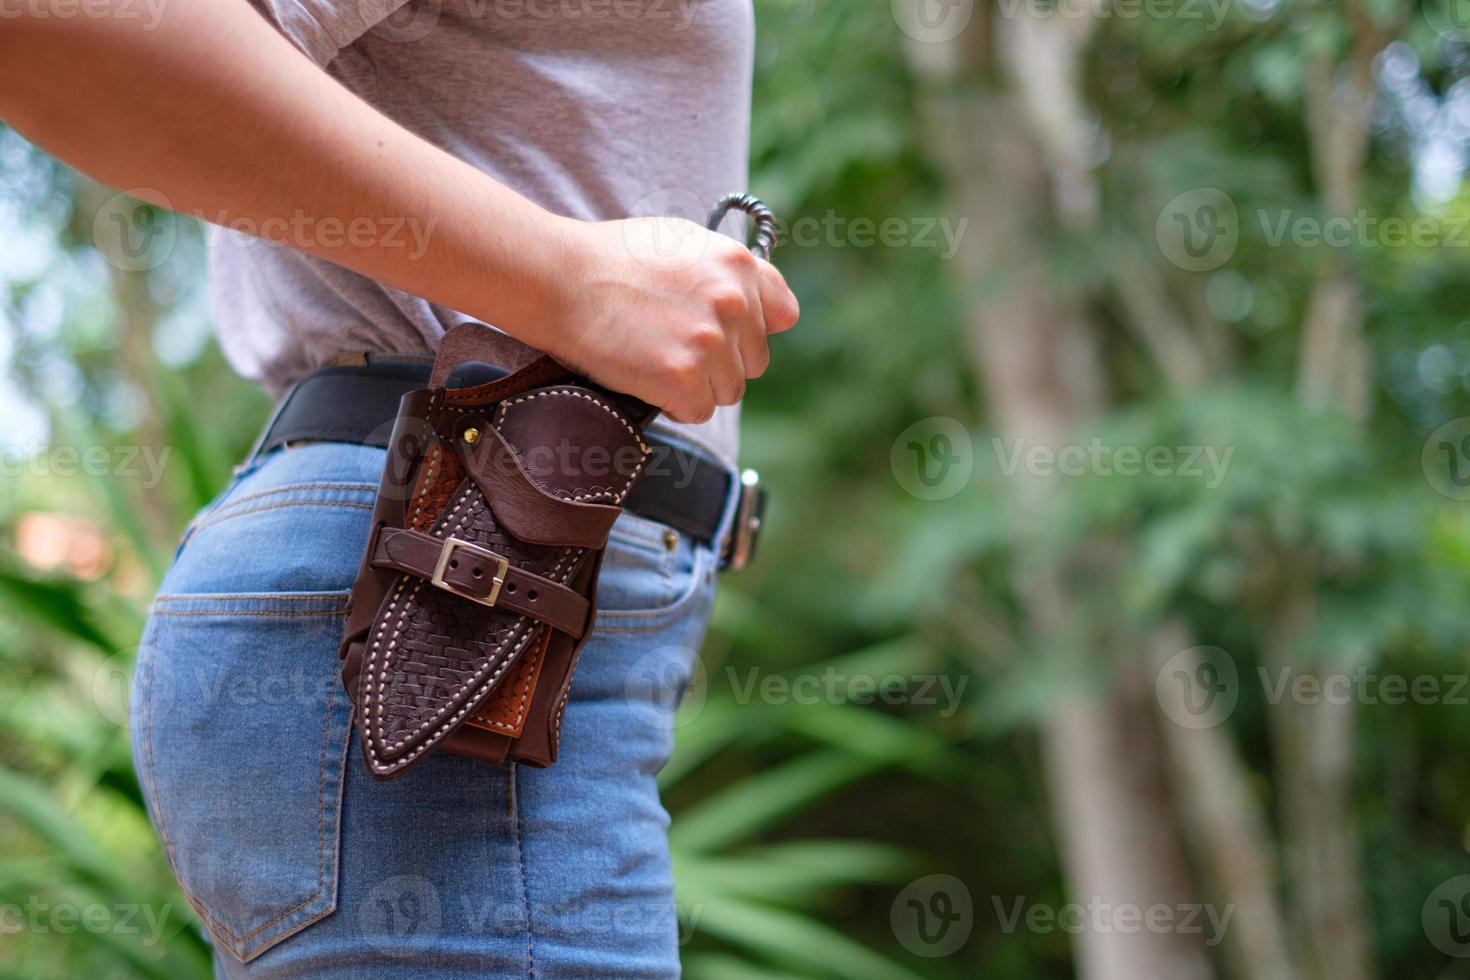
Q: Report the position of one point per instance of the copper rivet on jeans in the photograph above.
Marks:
(671, 539)
(471, 436)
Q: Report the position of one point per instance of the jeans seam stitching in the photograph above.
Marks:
(164, 599)
(264, 613)
(513, 782)
(292, 487)
(222, 518)
(148, 757)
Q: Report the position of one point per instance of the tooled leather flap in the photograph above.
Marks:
(557, 463)
(525, 509)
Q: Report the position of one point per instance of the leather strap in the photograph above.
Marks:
(356, 403)
(468, 574)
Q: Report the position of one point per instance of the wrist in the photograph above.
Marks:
(552, 275)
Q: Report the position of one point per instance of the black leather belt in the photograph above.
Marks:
(357, 403)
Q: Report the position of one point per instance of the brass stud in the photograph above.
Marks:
(471, 436)
(671, 539)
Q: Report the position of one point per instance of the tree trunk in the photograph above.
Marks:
(1314, 742)
(1012, 165)
(1225, 821)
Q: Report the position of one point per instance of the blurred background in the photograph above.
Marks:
(1110, 620)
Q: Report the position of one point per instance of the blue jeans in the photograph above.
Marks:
(298, 863)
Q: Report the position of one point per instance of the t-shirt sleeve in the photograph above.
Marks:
(321, 28)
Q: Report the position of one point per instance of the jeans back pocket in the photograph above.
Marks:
(240, 734)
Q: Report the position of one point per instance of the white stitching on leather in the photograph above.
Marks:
(498, 654)
(505, 658)
(632, 430)
(577, 394)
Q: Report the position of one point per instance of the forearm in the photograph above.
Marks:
(213, 113)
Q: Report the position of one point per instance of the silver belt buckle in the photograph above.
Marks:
(750, 511)
(452, 545)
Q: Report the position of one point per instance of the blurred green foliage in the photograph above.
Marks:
(796, 825)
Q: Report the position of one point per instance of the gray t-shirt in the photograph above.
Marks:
(594, 109)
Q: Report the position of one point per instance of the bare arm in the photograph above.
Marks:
(220, 116)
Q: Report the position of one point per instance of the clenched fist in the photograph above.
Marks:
(665, 310)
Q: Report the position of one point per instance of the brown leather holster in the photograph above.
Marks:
(476, 589)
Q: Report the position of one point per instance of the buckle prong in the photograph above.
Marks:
(452, 545)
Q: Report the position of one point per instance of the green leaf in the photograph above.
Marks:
(752, 806)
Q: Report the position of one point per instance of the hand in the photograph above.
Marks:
(665, 310)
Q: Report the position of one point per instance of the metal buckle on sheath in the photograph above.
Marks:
(451, 545)
(749, 511)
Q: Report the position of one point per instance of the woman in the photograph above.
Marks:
(409, 166)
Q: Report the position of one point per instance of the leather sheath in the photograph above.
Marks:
(477, 585)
